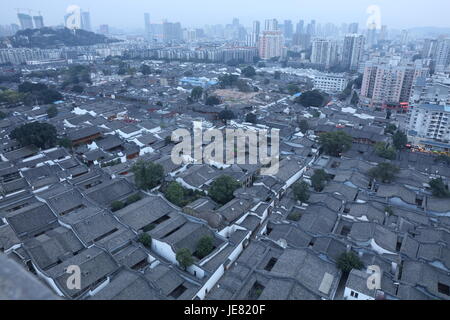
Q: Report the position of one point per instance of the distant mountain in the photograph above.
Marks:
(50, 38)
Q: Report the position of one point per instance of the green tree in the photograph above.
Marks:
(348, 261)
(385, 151)
(184, 258)
(399, 140)
(39, 93)
(77, 89)
(175, 193)
(65, 143)
(117, 205)
(293, 89)
(384, 172)
(301, 191)
(335, 143)
(319, 179)
(355, 99)
(146, 240)
(251, 118)
(196, 93)
(134, 198)
(2, 115)
(304, 126)
(249, 72)
(243, 86)
(312, 98)
(12, 97)
(277, 75)
(390, 128)
(52, 112)
(358, 81)
(222, 189)
(41, 135)
(228, 80)
(147, 175)
(145, 69)
(226, 114)
(204, 246)
(212, 101)
(439, 188)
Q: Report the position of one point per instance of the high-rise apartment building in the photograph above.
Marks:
(288, 29)
(148, 26)
(324, 53)
(353, 28)
(390, 82)
(86, 21)
(372, 36)
(171, 31)
(271, 42)
(300, 28)
(38, 21)
(271, 25)
(442, 55)
(253, 38)
(429, 115)
(311, 28)
(352, 51)
(25, 20)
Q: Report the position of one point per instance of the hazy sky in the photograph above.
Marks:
(129, 13)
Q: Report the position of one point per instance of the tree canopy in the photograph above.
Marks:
(38, 93)
(204, 246)
(222, 189)
(147, 175)
(196, 93)
(228, 80)
(304, 126)
(52, 111)
(249, 72)
(385, 151)
(399, 140)
(348, 261)
(184, 258)
(212, 101)
(319, 179)
(226, 114)
(335, 143)
(312, 98)
(293, 89)
(41, 135)
(301, 191)
(145, 239)
(439, 188)
(384, 172)
(251, 118)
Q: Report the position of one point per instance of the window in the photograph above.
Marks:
(354, 294)
(270, 264)
(178, 291)
(444, 289)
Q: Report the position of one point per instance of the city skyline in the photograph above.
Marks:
(124, 15)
